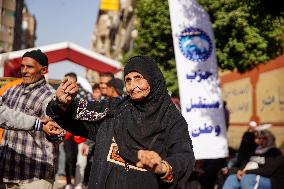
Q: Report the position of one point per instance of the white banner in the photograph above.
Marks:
(197, 70)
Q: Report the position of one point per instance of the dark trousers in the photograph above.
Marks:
(71, 151)
(211, 168)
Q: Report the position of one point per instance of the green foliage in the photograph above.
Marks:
(247, 33)
(155, 38)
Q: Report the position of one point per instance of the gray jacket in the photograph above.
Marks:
(11, 119)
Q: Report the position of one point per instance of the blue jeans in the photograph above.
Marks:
(248, 181)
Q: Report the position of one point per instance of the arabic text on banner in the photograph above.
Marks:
(197, 70)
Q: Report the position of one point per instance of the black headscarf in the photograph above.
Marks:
(143, 123)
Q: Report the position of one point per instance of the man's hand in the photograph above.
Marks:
(85, 149)
(151, 161)
(240, 174)
(66, 91)
(52, 128)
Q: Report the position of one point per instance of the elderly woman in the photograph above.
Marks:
(142, 140)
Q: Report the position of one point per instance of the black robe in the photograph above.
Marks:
(177, 148)
(151, 124)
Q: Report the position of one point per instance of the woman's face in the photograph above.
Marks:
(136, 86)
(261, 141)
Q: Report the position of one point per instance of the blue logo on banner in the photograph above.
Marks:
(195, 44)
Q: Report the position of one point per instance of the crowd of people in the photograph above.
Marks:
(135, 140)
(124, 134)
(77, 152)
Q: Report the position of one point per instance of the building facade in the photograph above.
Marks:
(13, 12)
(114, 31)
(28, 29)
(7, 24)
(257, 95)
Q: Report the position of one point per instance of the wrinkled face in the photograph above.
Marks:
(31, 70)
(103, 84)
(136, 86)
(97, 94)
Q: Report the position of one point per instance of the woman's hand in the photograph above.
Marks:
(151, 161)
(66, 92)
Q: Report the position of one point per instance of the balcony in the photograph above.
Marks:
(8, 4)
(8, 21)
(6, 37)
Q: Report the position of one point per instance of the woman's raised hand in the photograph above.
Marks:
(66, 92)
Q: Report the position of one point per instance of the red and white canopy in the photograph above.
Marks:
(10, 61)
